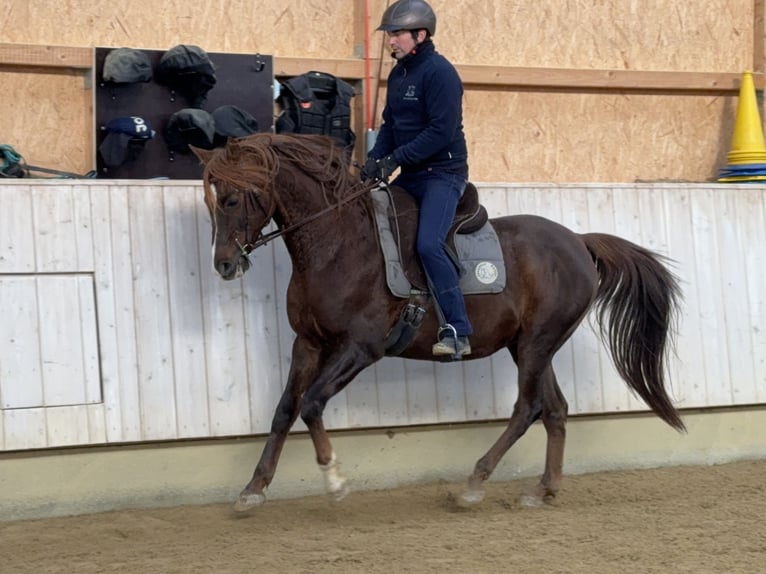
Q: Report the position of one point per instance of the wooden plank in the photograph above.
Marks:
(67, 426)
(732, 242)
(586, 346)
(573, 79)
(479, 389)
(472, 75)
(450, 393)
(17, 245)
(83, 227)
(68, 340)
(421, 391)
(89, 338)
(55, 237)
(152, 321)
(21, 378)
(96, 423)
(46, 56)
(712, 322)
(349, 69)
(185, 308)
(25, 429)
(362, 400)
(752, 215)
(392, 391)
(687, 370)
(111, 245)
(225, 344)
(505, 374)
(262, 338)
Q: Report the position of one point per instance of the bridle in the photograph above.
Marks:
(262, 239)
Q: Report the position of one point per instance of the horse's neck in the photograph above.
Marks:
(315, 241)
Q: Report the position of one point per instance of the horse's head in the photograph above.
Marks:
(240, 207)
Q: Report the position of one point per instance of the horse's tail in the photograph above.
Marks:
(637, 306)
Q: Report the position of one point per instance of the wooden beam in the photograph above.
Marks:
(32, 55)
(473, 76)
(349, 69)
(580, 79)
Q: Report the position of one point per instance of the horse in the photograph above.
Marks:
(341, 310)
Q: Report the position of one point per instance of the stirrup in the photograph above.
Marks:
(450, 344)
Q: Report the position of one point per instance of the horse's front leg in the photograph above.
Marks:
(303, 371)
(337, 372)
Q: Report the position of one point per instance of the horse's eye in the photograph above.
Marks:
(231, 202)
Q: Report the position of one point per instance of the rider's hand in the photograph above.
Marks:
(369, 170)
(386, 167)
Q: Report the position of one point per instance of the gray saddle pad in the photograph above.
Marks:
(479, 253)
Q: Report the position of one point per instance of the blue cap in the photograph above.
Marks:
(121, 134)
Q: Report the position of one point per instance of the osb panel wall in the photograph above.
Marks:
(562, 137)
(705, 35)
(514, 135)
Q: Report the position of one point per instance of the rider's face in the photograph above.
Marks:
(401, 42)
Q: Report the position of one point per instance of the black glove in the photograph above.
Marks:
(369, 169)
(379, 169)
(386, 167)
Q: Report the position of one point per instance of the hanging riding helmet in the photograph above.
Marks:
(408, 15)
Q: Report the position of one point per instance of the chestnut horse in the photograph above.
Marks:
(341, 309)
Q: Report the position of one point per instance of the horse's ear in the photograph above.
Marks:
(204, 155)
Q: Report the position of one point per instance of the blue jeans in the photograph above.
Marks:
(438, 194)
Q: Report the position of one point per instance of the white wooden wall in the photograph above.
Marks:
(114, 328)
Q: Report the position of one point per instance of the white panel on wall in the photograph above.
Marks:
(49, 354)
(185, 354)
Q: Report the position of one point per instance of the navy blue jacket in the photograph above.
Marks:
(423, 116)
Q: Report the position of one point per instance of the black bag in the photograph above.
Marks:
(317, 103)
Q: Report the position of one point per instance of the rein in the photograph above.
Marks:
(248, 247)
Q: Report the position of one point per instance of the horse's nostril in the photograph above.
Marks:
(224, 268)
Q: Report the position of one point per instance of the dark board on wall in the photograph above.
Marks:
(243, 80)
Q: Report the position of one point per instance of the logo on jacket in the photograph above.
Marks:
(410, 93)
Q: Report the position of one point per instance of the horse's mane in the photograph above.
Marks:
(253, 162)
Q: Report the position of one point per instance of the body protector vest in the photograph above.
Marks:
(317, 103)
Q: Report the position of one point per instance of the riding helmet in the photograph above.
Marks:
(408, 15)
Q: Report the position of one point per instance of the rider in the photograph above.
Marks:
(422, 133)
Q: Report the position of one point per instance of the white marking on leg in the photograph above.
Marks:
(335, 483)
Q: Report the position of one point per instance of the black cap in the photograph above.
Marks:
(127, 66)
(189, 71)
(233, 122)
(190, 126)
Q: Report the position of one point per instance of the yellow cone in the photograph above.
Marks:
(747, 143)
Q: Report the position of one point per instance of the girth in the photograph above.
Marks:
(470, 216)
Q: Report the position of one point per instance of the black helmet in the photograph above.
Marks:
(408, 15)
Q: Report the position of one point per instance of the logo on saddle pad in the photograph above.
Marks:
(486, 272)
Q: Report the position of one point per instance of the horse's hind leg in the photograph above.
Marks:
(528, 409)
(554, 419)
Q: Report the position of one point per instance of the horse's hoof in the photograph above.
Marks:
(531, 501)
(470, 497)
(248, 501)
(340, 493)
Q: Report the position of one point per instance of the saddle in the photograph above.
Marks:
(470, 216)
